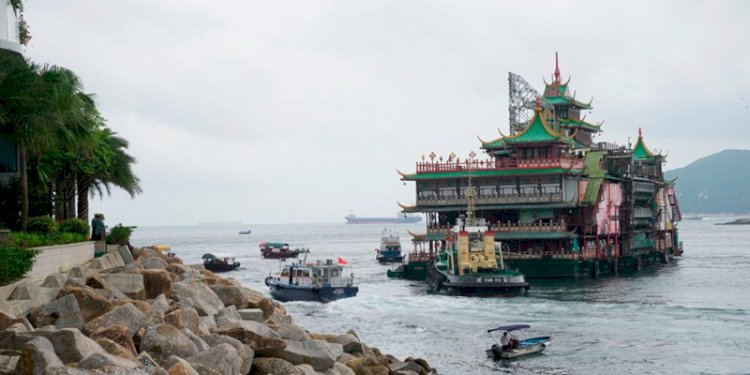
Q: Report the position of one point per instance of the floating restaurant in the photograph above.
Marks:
(558, 203)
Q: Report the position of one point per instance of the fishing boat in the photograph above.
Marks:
(518, 343)
(279, 250)
(219, 262)
(390, 248)
(321, 281)
(472, 264)
(246, 231)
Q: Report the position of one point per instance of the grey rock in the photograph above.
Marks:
(130, 284)
(127, 315)
(405, 372)
(208, 321)
(153, 263)
(63, 312)
(345, 357)
(37, 355)
(54, 280)
(177, 365)
(105, 360)
(199, 343)
(318, 354)
(183, 272)
(160, 304)
(339, 369)
(146, 360)
(222, 358)
(71, 345)
(8, 363)
(251, 314)
(78, 272)
(259, 337)
(244, 351)
(293, 332)
(265, 366)
(350, 343)
(186, 317)
(406, 366)
(242, 298)
(127, 257)
(203, 298)
(228, 315)
(164, 340)
(305, 369)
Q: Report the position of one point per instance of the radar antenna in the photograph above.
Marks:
(522, 97)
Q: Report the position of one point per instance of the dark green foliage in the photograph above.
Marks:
(15, 261)
(77, 226)
(119, 235)
(29, 240)
(717, 183)
(42, 225)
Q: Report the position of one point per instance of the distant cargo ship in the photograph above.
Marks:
(398, 219)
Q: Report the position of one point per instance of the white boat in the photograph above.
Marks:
(519, 344)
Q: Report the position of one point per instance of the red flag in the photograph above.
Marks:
(342, 261)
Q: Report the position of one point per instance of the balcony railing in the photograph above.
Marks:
(558, 226)
(499, 164)
(453, 200)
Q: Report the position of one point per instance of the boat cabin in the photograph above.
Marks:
(318, 274)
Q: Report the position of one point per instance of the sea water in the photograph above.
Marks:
(690, 316)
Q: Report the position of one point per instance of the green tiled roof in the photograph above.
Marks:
(532, 235)
(578, 124)
(641, 152)
(484, 173)
(498, 143)
(536, 132)
(562, 100)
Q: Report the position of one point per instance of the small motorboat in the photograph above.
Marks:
(280, 250)
(219, 262)
(390, 248)
(518, 343)
(246, 231)
(320, 281)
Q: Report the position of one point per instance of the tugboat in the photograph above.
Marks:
(390, 248)
(472, 264)
(279, 250)
(219, 262)
(319, 281)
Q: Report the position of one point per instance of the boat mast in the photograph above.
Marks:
(469, 204)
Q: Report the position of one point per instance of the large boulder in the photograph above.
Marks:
(318, 354)
(179, 366)
(242, 298)
(90, 303)
(183, 272)
(160, 304)
(259, 337)
(8, 363)
(244, 351)
(130, 284)
(37, 355)
(153, 263)
(127, 315)
(292, 332)
(367, 366)
(156, 282)
(71, 345)
(62, 313)
(164, 340)
(199, 343)
(265, 366)
(339, 369)
(406, 366)
(54, 280)
(222, 358)
(186, 317)
(7, 321)
(350, 343)
(202, 297)
(115, 349)
(103, 287)
(119, 334)
(106, 362)
(228, 315)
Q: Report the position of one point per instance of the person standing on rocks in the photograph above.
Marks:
(97, 228)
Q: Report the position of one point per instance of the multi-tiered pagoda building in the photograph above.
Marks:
(559, 204)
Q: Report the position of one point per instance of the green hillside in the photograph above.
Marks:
(718, 183)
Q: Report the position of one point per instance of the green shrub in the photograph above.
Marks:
(119, 235)
(15, 261)
(63, 238)
(72, 225)
(42, 225)
(26, 240)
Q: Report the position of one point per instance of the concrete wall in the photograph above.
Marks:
(60, 258)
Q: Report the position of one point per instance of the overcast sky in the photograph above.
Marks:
(297, 112)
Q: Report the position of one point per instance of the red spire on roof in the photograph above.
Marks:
(557, 69)
(640, 133)
(538, 103)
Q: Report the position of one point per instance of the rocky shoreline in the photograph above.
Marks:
(156, 315)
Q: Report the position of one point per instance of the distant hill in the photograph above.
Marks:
(718, 183)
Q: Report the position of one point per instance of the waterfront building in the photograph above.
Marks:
(560, 204)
